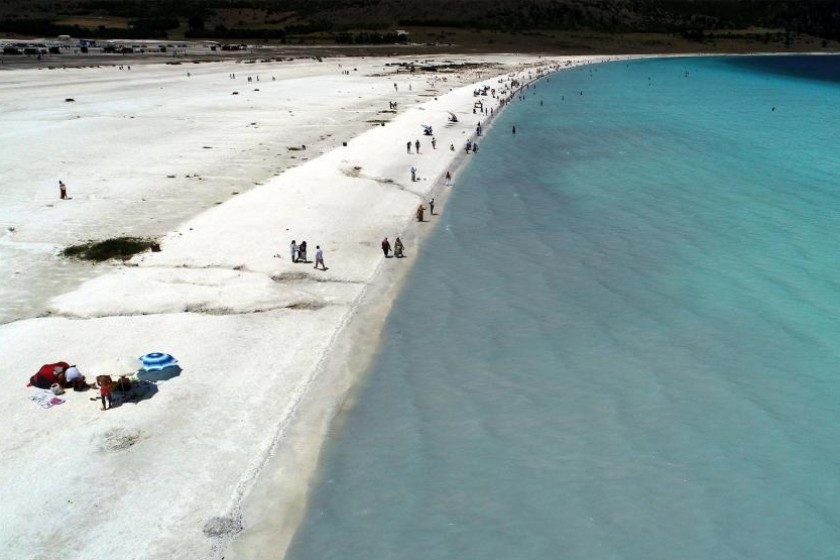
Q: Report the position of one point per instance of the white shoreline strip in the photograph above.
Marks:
(274, 508)
(271, 349)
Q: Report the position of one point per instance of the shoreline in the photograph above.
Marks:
(273, 508)
(259, 339)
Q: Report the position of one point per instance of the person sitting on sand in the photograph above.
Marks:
(73, 378)
(106, 387)
(398, 248)
(123, 384)
(48, 375)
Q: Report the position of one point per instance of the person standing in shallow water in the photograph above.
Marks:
(514, 129)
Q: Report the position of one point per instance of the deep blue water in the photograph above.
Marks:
(621, 342)
(801, 66)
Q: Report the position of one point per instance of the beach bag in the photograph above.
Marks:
(56, 389)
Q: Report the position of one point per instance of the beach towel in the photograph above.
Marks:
(45, 399)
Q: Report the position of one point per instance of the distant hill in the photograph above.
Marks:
(551, 24)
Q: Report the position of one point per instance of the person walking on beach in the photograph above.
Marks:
(432, 207)
(448, 179)
(408, 147)
(319, 257)
(386, 247)
(398, 248)
(434, 143)
(62, 190)
(293, 249)
(413, 174)
(417, 146)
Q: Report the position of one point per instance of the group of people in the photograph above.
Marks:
(298, 254)
(62, 376)
(398, 248)
(433, 142)
(60, 373)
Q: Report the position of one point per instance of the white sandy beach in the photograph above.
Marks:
(269, 348)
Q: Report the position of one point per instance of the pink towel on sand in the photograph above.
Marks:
(45, 399)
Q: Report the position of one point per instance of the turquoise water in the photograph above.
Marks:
(621, 342)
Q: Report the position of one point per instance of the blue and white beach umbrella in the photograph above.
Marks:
(157, 360)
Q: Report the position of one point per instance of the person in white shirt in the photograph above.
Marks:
(319, 257)
(74, 378)
(293, 248)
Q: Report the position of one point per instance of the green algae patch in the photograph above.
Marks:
(122, 248)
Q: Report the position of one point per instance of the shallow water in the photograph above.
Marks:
(621, 341)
